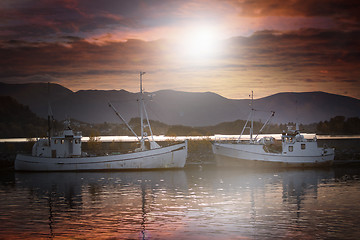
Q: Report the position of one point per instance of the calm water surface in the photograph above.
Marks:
(194, 203)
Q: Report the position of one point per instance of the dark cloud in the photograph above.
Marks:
(351, 81)
(345, 13)
(49, 20)
(78, 57)
(299, 48)
(46, 20)
(291, 51)
(36, 19)
(298, 7)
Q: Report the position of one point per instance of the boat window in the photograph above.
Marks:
(303, 146)
(62, 141)
(55, 141)
(291, 148)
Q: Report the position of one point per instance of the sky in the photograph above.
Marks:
(230, 47)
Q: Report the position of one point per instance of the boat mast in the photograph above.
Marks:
(143, 111)
(297, 117)
(141, 108)
(50, 116)
(252, 116)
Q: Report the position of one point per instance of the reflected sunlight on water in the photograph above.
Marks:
(194, 203)
(182, 138)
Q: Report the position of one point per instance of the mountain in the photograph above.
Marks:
(309, 107)
(35, 95)
(16, 120)
(179, 108)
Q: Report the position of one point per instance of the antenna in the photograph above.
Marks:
(297, 116)
(141, 74)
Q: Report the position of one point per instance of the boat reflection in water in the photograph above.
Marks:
(103, 204)
(193, 203)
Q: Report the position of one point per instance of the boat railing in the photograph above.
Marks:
(223, 138)
(61, 133)
(78, 133)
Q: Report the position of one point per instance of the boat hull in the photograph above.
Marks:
(231, 155)
(173, 156)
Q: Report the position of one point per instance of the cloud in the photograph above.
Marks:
(32, 20)
(266, 45)
(156, 19)
(268, 60)
(297, 7)
(345, 14)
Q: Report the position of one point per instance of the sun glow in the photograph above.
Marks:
(199, 41)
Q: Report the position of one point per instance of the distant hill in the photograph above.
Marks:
(16, 120)
(179, 108)
(35, 95)
(309, 107)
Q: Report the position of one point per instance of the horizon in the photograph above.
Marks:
(134, 92)
(228, 47)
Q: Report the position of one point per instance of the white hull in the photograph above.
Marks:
(166, 157)
(228, 154)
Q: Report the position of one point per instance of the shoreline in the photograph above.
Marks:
(347, 151)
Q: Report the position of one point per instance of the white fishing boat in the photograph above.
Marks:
(63, 152)
(295, 150)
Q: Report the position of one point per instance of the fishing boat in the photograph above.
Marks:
(294, 151)
(63, 152)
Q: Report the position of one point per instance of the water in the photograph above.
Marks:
(194, 203)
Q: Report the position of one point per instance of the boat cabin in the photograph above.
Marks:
(293, 143)
(66, 144)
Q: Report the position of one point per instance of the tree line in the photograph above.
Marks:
(339, 125)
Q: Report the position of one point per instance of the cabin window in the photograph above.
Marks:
(291, 148)
(55, 141)
(62, 141)
(76, 141)
(303, 146)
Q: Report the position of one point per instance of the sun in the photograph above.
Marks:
(199, 41)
